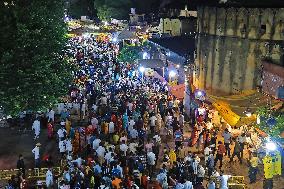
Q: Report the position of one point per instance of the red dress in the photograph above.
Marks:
(49, 130)
(194, 136)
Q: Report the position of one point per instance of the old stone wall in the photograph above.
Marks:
(231, 44)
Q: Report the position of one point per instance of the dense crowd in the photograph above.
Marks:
(135, 136)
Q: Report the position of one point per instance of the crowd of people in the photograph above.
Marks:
(135, 136)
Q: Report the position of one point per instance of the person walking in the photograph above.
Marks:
(49, 178)
(49, 130)
(253, 168)
(220, 153)
(237, 152)
(36, 128)
(224, 180)
(242, 139)
(227, 141)
(21, 165)
(37, 155)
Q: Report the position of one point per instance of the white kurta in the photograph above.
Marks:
(36, 127)
(49, 178)
(62, 147)
(68, 146)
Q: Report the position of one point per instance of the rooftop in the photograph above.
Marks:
(240, 3)
(181, 45)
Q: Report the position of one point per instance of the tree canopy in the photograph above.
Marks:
(107, 9)
(33, 72)
(129, 53)
(80, 8)
(271, 122)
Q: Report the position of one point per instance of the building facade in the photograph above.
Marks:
(231, 45)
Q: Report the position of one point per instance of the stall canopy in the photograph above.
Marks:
(178, 91)
(151, 63)
(231, 117)
(126, 34)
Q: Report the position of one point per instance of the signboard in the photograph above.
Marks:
(149, 72)
(272, 165)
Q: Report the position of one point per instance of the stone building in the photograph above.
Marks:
(232, 42)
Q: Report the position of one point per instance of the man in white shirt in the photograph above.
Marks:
(131, 125)
(123, 147)
(94, 122)
(62, 148)
(49, 178)
(224, 180)
(104, 100)
(50, 115)
(68, 146)
(151, 160)
(79, 161)
(242, 139)
(152, 123)
(130, 106)
(101, 154)
(61, 133)
(132, 147)
(188, 185)
(134, 134)
(35, 151)
(200, 174)
(94, 107)
(36, 128)
(227, 141)
(109, 157)
(111, 127)
(207, 151)
(96, 143)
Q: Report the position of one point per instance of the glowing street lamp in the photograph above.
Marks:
(114, 39)
(141, 69)
(270, 146)
(172, 73)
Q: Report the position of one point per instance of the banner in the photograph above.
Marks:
(225, 111)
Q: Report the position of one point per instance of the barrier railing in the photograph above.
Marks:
(234, 182)
(30, 173)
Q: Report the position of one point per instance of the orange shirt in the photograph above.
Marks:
(116, 183)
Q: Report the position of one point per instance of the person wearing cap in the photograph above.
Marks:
(36, 153)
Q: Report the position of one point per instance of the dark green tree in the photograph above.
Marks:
(274, 130)
(129, 54)
(79, 8)
(118, 9)
(33, 72)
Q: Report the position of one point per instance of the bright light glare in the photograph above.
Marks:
(145, 55)
(199, 93)
(270, 146)
(172, 73)
(178, 66)
(114, 39)
(141, 69)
